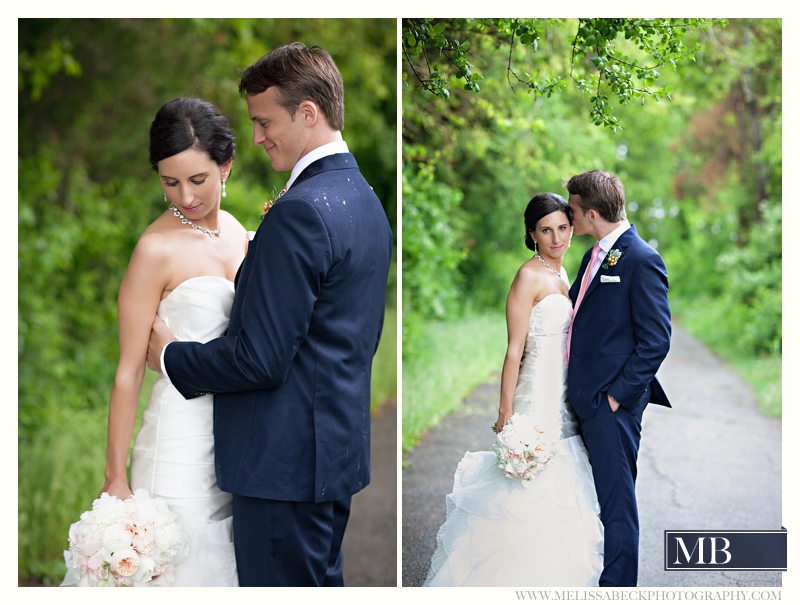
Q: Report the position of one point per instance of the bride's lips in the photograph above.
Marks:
(192, 208)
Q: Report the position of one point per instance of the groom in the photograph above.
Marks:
(291, 377)
(619, 336)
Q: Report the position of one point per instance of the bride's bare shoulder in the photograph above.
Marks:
(528, 272)
(156, 243)
(230, 222)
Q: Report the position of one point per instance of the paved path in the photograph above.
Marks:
(711, 462)
(370, 541)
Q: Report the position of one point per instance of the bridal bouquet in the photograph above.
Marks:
(522, 448)
(133, 542)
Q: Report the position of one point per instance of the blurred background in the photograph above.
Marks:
(88, 90)
(497, 110)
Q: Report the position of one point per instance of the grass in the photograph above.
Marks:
(384, 365)
(764, 375)
(61, 470)
(457, 356)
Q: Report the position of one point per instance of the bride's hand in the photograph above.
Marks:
(502, 420)
(160, 337)
(119, 489)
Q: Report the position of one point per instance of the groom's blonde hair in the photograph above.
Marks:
(300, 74)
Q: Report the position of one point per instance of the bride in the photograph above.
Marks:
(182, 269)
(500, 532)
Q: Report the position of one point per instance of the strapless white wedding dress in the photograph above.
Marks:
(499, 532)
(173, 454)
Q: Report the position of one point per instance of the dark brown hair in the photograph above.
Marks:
(187, 123)
(600, 191)
(300, 74)
(540, 206)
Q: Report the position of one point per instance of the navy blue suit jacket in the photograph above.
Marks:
(621, 332)
(292, 374)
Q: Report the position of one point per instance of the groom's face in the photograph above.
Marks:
(283, 136)
(580, 221)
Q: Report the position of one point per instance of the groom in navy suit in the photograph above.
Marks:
(291, 377)
(619, 336)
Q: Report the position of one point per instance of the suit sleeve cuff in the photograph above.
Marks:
(163, 365)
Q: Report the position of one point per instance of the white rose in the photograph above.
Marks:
(116, 537)
(147, 566)
(168, 536)
(107, 510)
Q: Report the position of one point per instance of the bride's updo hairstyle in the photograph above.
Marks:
(540, 206)
(188, 123)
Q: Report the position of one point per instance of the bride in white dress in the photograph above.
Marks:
(183, 269)
(499, 532)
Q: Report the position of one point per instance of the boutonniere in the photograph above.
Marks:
(267, 205)
(611, 258)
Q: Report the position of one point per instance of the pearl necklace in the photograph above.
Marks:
(539, 256)
(186, 221)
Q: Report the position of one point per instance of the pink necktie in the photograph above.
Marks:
(587, 279)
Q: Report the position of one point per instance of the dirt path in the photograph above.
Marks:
(711, 462)
(370, 541)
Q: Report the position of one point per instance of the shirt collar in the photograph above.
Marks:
(609, 240)
(314, 155)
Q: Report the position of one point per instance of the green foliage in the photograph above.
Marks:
(623, 56)
(452, 359)
(432, 252)
(45, 59)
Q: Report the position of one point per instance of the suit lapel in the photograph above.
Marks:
(623, 241)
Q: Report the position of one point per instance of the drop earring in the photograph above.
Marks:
(224, 193)
(165, 197)
(535, 248)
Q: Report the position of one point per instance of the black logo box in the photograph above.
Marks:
(734, 550)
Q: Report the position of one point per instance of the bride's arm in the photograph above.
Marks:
(518, 314)
(139, 295)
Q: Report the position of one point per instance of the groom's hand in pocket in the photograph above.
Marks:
(160, 337)
(612, 402)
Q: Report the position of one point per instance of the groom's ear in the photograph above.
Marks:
(308, 112)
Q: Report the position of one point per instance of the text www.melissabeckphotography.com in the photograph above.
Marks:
(649, 595)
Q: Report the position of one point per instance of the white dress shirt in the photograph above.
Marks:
(607, 243)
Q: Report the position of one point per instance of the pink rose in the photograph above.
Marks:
(85, 543)
(125, 562)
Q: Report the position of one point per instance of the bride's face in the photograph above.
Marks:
(193, 181)
(552, 234)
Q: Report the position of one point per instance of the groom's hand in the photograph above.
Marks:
(160, 337)
(612, 402)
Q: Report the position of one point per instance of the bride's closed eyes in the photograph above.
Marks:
(175, 183)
